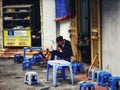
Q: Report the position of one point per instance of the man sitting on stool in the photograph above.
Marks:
(64, 50)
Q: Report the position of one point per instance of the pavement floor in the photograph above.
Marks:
(12, 78)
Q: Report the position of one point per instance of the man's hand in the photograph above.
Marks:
(59, 49)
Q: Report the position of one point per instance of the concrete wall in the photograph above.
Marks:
(48, 23)
(111, 36)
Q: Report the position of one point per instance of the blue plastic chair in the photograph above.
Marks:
(113, 83)
(77, 67)
(36, 59)
(31, 48)
(103, 78)
(86, 86)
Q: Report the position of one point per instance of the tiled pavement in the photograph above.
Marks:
(12, 78)
(83, 77)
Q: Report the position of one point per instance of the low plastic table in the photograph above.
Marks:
(56, 64)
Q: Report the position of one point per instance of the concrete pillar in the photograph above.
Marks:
(48, 25)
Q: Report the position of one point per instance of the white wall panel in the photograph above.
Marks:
(64, 29)
(49, 25)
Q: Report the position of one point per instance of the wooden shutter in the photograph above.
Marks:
(74, 32)
(95, 32)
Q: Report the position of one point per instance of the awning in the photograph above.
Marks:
(64, 9)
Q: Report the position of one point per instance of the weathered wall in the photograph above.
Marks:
(48, 24)
(64, 29)
(111, 36)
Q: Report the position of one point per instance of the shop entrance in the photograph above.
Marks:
(35, 18)
(84, 33)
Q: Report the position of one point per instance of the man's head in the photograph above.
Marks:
(60, 40)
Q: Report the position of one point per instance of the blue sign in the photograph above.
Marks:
(11, 33)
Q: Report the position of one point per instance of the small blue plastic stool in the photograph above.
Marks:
(31, 78)
(36, 59)
(77, 68)
(91, 74)
(27, 65)
(113, 83)
(86, 86)
(103, 78)
(96, 74)
(17, 57)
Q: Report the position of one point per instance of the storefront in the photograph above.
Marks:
(20, 23)
(87, 19)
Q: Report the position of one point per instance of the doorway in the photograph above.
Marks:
(84, 34)
(35, 19)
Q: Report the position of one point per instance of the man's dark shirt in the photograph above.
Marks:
(66, 49)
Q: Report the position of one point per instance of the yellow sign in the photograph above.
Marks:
(17, 38)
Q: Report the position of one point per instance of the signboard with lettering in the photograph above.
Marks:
(17, 38)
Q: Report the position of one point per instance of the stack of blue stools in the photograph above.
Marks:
(77, 67)
(87, 86)
(113, 83)
(103, 78)
(36, 59)
(18, 58)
